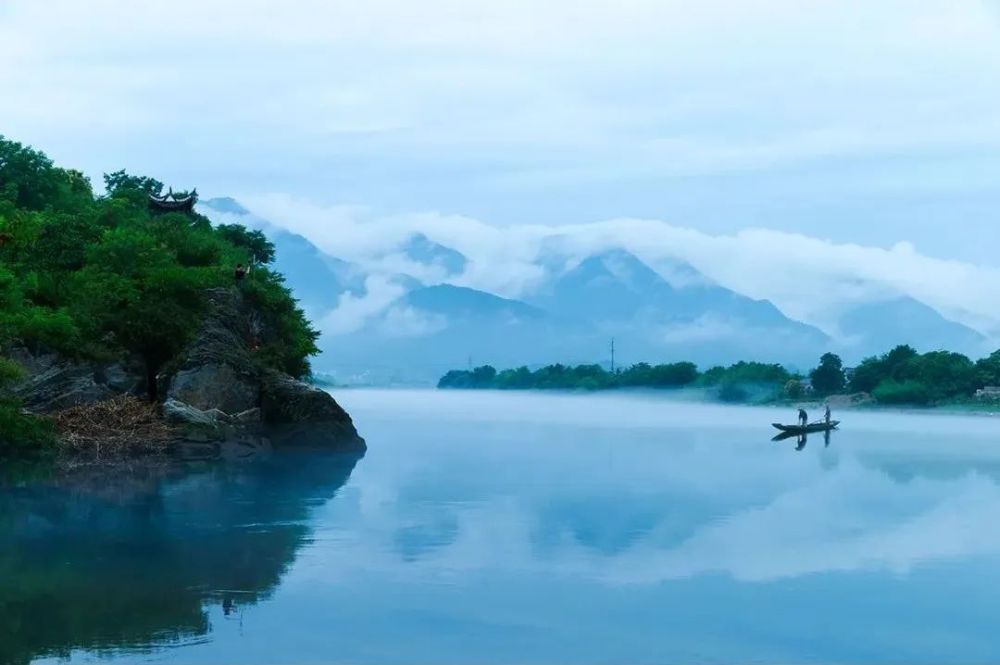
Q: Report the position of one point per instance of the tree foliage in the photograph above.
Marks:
(828, 377)
(98, 276)
(901, 376)
(729, 380)
(904, 376)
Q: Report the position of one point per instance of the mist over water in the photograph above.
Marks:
(490, 527)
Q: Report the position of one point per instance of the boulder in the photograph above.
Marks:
(195, 424)
(215, 386)
(297, 413)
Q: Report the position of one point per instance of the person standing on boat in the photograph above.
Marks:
(827, 415)
(803, 417)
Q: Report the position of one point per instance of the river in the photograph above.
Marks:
(487, 527)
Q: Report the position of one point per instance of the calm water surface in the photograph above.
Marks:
(524, 528)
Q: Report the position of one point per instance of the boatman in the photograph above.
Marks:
(803, 417)
(827, 416)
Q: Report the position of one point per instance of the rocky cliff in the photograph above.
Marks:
(216, 392)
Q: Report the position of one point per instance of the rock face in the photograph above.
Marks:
(55, 383)
(215, 392)
(215, 386)
(297, 413)
(218, 381)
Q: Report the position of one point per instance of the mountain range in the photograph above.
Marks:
(669, 314)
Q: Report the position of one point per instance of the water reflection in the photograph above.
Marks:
(802, 439)
(130, 557)
(536, 529)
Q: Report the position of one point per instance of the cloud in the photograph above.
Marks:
(810, 279)
(401, 321)
(354, 311)
(704, 329)
(507, 95)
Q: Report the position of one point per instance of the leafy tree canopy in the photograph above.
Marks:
(97, 276)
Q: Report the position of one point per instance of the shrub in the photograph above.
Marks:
(911, 393)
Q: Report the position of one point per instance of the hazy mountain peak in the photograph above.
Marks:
(906, 320)
(225, 204)
(422, 249)
(617, 265)
(461, 300)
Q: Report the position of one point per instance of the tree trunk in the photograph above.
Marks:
(152, 391)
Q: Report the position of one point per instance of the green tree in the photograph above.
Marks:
(122, 183)
(27, 178)
(259, 249)
(828, 378)
(988, 370)
(944, 373)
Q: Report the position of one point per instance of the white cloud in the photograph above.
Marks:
(401, 321)
(451, 105)
(703, 329)
(810, 279)
(353, 311)
(499, 92)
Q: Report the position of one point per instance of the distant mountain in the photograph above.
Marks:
(610, 286)
(688, 316)
(572, 320)
(617, 285)
(317, 280)
(465, 303)
(432, 329)
(876, 327)
(669, 313)
(421, 249)
(225, 205)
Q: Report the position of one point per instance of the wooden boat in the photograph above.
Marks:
(806, 429)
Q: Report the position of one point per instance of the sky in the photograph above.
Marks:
(824, 128)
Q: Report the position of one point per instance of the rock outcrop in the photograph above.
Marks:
(215, 392)
(219, 386)
(298, 413)
(53, 383)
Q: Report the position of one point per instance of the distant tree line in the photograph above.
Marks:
(731, 381)
(901, 376)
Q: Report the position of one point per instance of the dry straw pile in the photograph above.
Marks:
(123, 425)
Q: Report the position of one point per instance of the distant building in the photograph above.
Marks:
(988, 394)
(171, 202)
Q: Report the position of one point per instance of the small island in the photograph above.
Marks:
(899, 377)
(130, 325)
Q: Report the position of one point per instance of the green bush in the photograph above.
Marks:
(19, 432)
(894, 392)
(22, 433)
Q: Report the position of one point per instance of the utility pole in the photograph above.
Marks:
(612, 355)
